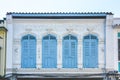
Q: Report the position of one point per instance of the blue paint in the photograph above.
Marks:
(118, 51)
(49, 52)
(90, 51)
(58, 14)
(28, 56)
(118, 35)
(69, 55)
(119, 66)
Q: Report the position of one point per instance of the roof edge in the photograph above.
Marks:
(110, 13)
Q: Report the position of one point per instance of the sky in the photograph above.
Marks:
(59, 6)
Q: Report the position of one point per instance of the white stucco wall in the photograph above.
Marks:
(58, 27)
(116, 30)
(9, 52)
(109, 42)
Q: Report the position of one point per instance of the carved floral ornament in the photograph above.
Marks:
(28, 30)
(49, 30)
(69, 30)
(90, 29)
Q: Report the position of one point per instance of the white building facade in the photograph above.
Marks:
(60, 45)
(116, 32)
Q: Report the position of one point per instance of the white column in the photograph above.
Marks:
(59, 53)
(39, 54)
(109, 42)
(9, 49)
(80, 51)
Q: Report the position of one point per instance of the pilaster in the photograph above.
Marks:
(9, 52)
(59, 52)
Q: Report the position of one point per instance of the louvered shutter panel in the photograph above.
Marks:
(45, 53)
(90, 49)
(53, 55)
(49, 52)
(73, 54)
(65, 54)
(86, 54)
(32, 53)
(94, 53)
(28, 56)
(69, 52)
(25, 53)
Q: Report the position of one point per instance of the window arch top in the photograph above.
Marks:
(29, 36)
(90, 36)
(49, 36)
(68, 37)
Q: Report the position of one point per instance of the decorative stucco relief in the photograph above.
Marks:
(16, 41)
(50, 30)
(28, 30)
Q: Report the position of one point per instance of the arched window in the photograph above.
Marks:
(90, 51)
(49, 52)
(69, 54)
(28, 56)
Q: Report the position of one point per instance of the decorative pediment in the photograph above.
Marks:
(69, 30)
(28, 30)
(90, 29)
(49, 30)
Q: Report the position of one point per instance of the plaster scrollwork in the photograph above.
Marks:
(102, 49)
(38, 41)
(16, 50)
(90, 30)
(49, 30)
(79, 42)
(101, 41)
(16, 41)
(39, 52)
(28, 30)
(69, 30)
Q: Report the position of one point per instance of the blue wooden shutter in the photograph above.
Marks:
(45, 53)
(86, 54)
(53, 54)
(49, 52)
(32, 52)
(73, 53)
(28, 56)
(119, 66)
(24, 58)
(94, 53)
(90, 52)
(66, 51)
(69, 58)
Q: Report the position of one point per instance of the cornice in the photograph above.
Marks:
(59, 15)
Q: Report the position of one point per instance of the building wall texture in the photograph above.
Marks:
(102, 28)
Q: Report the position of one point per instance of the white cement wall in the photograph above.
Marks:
(58, 27)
